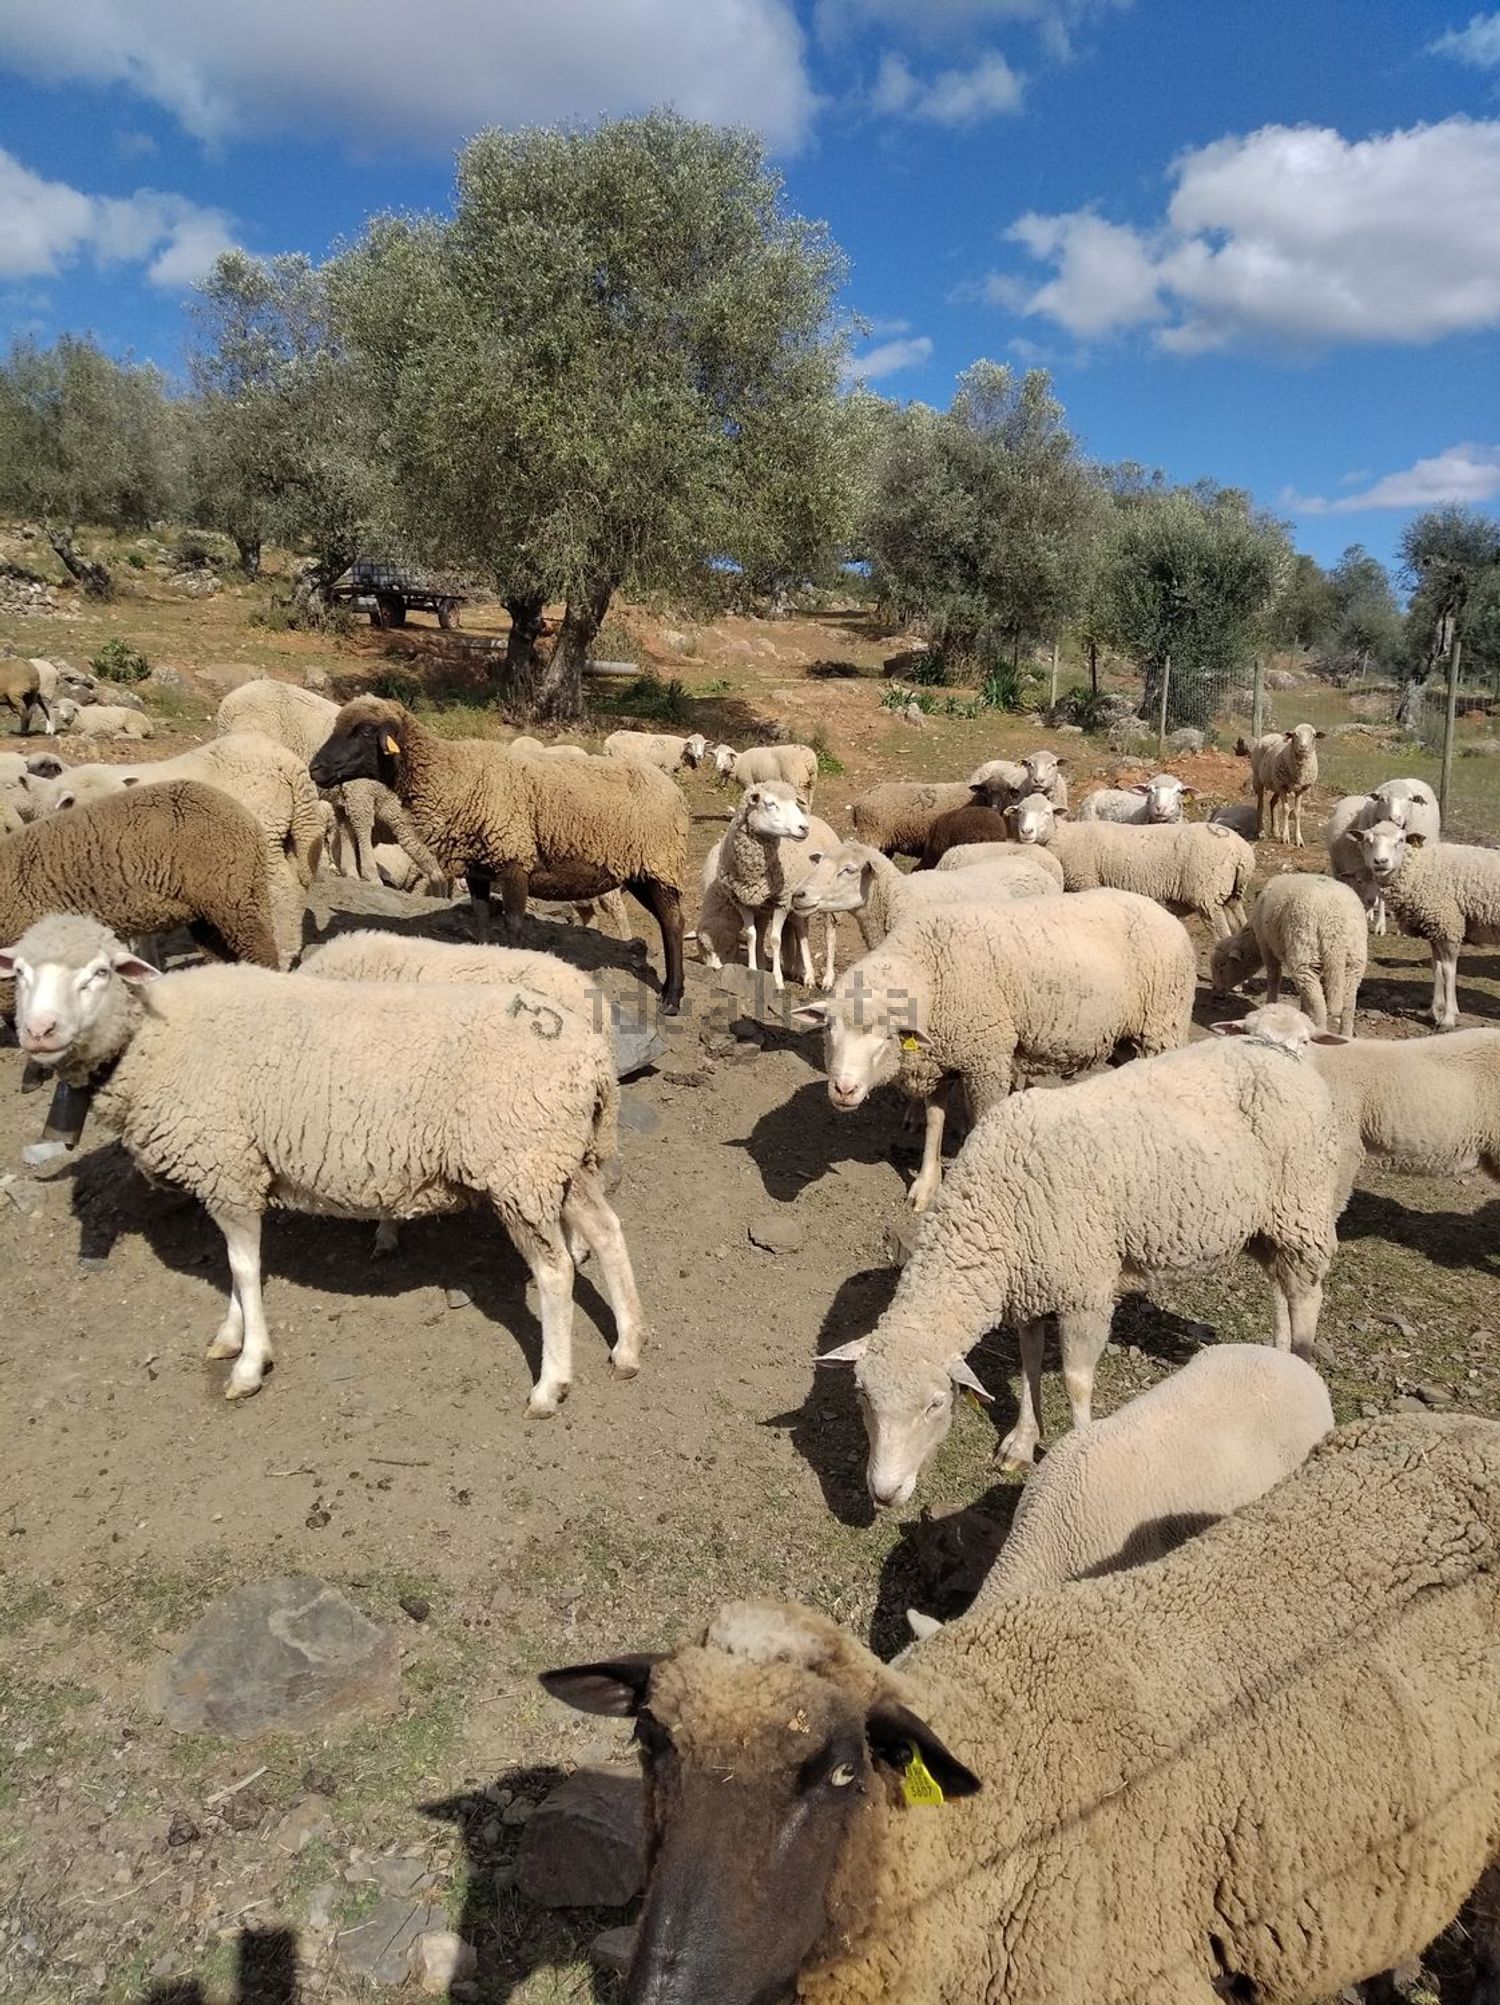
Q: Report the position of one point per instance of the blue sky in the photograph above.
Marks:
(1256, 243)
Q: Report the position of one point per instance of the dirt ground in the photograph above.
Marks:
(390, 1452)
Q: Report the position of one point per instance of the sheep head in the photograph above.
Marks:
(74, 993)
(368, 742)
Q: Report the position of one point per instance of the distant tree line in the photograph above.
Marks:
(617, 367)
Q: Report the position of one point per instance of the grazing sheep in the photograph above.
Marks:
(1309, 931)
(1155, 800)
(301, 720)
(1429, 1106)
(1166, 1166)
(146, 861)
(1186, 866)
(112, 720)
(896, 817)
(758, 864)
(977, 992)
(255, 1090)
(1283, 764)
(797, 765)
(21, 693)
(1446, 893)
(1262, 1768)
(1410, 804)
(853, 877)
(548, 828)
(670, 754)
(1239, 816)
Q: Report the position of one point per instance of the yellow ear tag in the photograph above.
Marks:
(973, 1398)
(391, 747)
(918, 1783)
(911, 1044)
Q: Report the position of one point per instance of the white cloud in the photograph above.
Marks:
(1478, 45)
(938, 21)
(45, 225)
(381, 73)
(888, 358)
(1290, 236)
(1466, 473)
(952, 97)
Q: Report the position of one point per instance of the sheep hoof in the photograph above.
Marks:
(627, 1366)
(244, 1390)
(387, 1239)
(223, 1347)
(542, 1405)
(1015, 1458)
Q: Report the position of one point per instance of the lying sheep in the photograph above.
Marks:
(1186, 866)
(255, 1090)
(21, 693)
(1409, 804)
(853, 877)
(975, 993)
(1158, 799)
(112, 720)
(549, 828)
(1446, 893)
(1309, 931)
(670, 754)
(1283, 764)
(1262, 1768)
(1239, 816)
(1429, 1106)
(757, 866)
(1166, 1166)
(797, 765)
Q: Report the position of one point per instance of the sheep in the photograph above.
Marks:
(1407, 803)
(1031, 867)
(1428, 1106)
(1186, 866)
(256, 1090)
(21, 693)
(23, 783)
(853, 877)
(112, 720)
(145, 861)
(659, 749)
(1283, 764)
(720, 934)
(977, 992)
(1239, 816)
(60, 682)
(896, 817)
(758, 864)
(961, 826)
(1446, 893)
(553, 828)
(1044, 775)
(533, 747)
(1158, 799)
(797, 765)
(1262, 1768)
(1165, 1166)
(1309, 931)
(301, 720)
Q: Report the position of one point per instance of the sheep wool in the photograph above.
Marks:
(111, 720)
(797, 765)
(1429, 1106)
(1446, 893)
(896, 817)
(853, 877)
(1306, 930)
(1283, 764)
(1198, 867)
(21, 693)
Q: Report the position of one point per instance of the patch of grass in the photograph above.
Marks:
(118, 661)
(22, 1604)
(398, 685)
(829, 762)
(654, 701)
(720, 686)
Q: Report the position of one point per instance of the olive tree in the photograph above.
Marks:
(616, 362)
(1366, 630)
(83, 439)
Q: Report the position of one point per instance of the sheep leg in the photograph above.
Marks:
(1445, 984)
(545, 1252)
(1018, 1449)
(515, 888)
(1083, 1333)
(387, 1238)
(247, 1316)
(830, 947)
(1273, 975)
(747, 935)
(664, 903)
(589, 1213)
(478, 882)
(1484, 1930)
(930, 1175)
(359, 810)
(1299, 1303)
(804, 946)
(774, 927)
(1310, 994)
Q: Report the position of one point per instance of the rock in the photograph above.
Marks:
(585, 1847)
(1282, 678)
(1069, 730)
(379, 1948)
(1185, 739)
(320, 1905)
(518, 1813)
(443, 1958)
(1405, 1403)
(1481, 1336)
(288, 1655)
(1124, 732)
(1369, 1410)
(315, 678)
(901, 1237)
(458, 1298)
(305, 1821)
(914, 713)
(640, 1118)
(613, 1950)
(774, 1232)
(226, 675)
(166, 678)
(1402, 1328)
(182, 1830)
(417, 1606)
(244, 1810)
(1435, 1395)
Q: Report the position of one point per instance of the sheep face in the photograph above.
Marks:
(64, 993)
(1303, 737)
(695, 749)
(1386, 847)
(864, 1034)
(1233, 961)
(907, 1406)
(1042, 768)
(724, 757)
(836, 882)
(1031, 820)
(365, 744)
(774, 809)
(1164, 797)
(1281, 1024)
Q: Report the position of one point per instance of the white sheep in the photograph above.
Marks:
(1446, 893)
(1306, 930)
(24, 780)
(759, 862)
(796, 765)
(254, 1090)
(1428, 1106)
(853, 877)
(1031, 867)
(1186, 866)
(1168, 1165)
(976, 993)
(111, 720)
(1283, 764)
(1158, 799)
(1410, 804)
(661, 749)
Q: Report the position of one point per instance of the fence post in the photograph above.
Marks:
(1161, 722)
(1258, 699)
(1455, 654)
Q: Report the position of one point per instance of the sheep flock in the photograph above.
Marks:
(1223, 1717)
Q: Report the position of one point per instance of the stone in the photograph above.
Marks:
(304, 1822)
(458, 1298)
(518, 1813)
(640, 1118)
(320, 1905)
(1069, 730)
(901, 1237)
(1369, 1410)
(287, 1655)
(417, 1606)
(226, 675)
(443, 1958)
(182, 1830)
(1435, 1395)
(775, 1232)
(1185, 739)
(585, 1846)
(1406, 1403)
(613, 1950)
(315, 678)
(379, 1948)
(1402, 1328)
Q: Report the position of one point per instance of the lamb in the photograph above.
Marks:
(1283, 764)
(1309, 931)
(1239, 816)
(1158, 799)
(853, 877)
(961, 826)
(1165, 1166)
(797, 765)
(554, 828)
(896, 817)
(758, 864)
(301, 720)
(21, 693)
(1446, 893)
(1408, 803)
(977, 992)
(254, 1089)
(720, 935)
(1264, 1767)
(1429, 1106)
(670, 754)
(1186, 866)
(1044, 775)
(112, 720)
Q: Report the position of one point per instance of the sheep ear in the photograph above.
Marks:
(44, 766)
(1320, 734)
(1229, 1030)
(8, 964)
(960, 1373)
(846, 1354)
(913, 1039)
(1191, 792)
(1139, 788)
(1414, 839)
(617, 1688)
(131, 968)
(810, 1016)
(901, 1741)
(1330, 1037)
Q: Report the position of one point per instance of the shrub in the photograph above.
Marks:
(653, 700)
(194, 552)
(397, 685)
(118, 661)
(135, 560)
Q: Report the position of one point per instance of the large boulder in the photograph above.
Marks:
(585, 1846)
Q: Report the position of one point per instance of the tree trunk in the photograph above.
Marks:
(559, 694)
(250, 551)
(521, 667)
(316, 579)
(1409, 709)
(93, 577)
